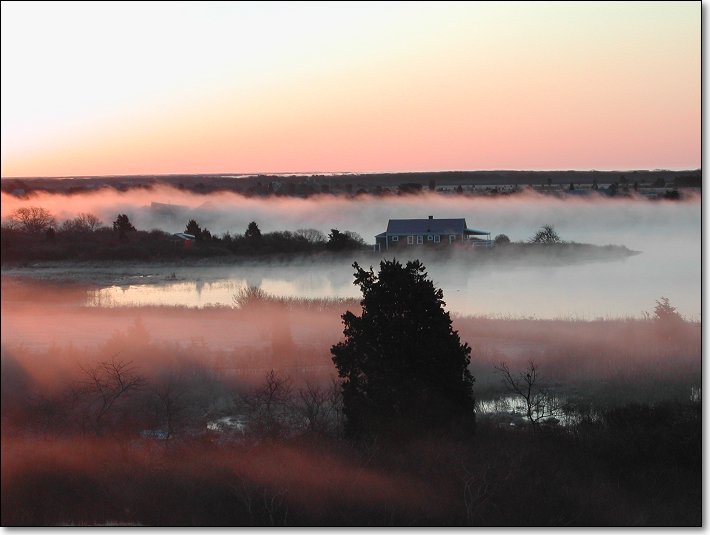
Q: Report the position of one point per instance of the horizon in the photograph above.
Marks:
(238, 174)
(394, 87)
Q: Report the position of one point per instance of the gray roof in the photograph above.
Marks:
(184, 236)
(426, 226)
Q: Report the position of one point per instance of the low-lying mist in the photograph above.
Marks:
(50, 334)
(594, 219)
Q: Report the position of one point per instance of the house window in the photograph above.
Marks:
(430, 237)
(410, 240)
(395, 238)
(420, 240)
(437, 239)
(452, 238)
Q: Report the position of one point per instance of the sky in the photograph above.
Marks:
(245, 87)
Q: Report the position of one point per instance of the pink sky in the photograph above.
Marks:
(251, 87)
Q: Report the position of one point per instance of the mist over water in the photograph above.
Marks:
(622, 288)
(667, 235)
(596, 219)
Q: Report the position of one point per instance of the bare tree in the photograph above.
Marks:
(169, 395)
(265, 505)
(547, 235)
(335, 400)
(269, 406)
(314, 407)
(33, 219)
(84, 222)
(527, 385)
(105, 384)
(250, 297)
(311, 234)
(476, 491)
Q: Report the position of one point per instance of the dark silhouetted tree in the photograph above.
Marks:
(669, 323)
(502, 239)
(104, 384)
(354, 238)
(33, 219)
(320, 407)
(169, 394)
(270, 407)
(547, 235)
(84, 222)
(410, 187)
(538, 403)
(404, 368)
(194, 229)
(122, 225)
(252, 232)
(311, 235)
(341, 241)
(664, 312)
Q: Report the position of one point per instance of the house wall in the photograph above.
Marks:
(388, 244)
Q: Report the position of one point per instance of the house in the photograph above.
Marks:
(430, 232)
(185, 238)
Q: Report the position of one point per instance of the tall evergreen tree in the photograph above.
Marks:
(403, 366)
(253, 232)
(193, 228)
(122, 225)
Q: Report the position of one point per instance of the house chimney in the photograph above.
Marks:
(431, 217)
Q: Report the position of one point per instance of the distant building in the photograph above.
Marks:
(185, 238)
(432, 233)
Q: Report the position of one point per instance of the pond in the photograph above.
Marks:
(626, 287)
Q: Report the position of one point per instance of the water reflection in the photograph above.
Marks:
(511, 410)
(615, 289)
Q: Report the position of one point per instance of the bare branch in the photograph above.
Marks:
(105, 383)
(539, 403)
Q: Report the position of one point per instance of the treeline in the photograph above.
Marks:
(356, 184)
(32, 234)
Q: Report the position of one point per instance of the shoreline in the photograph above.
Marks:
(130, 272)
